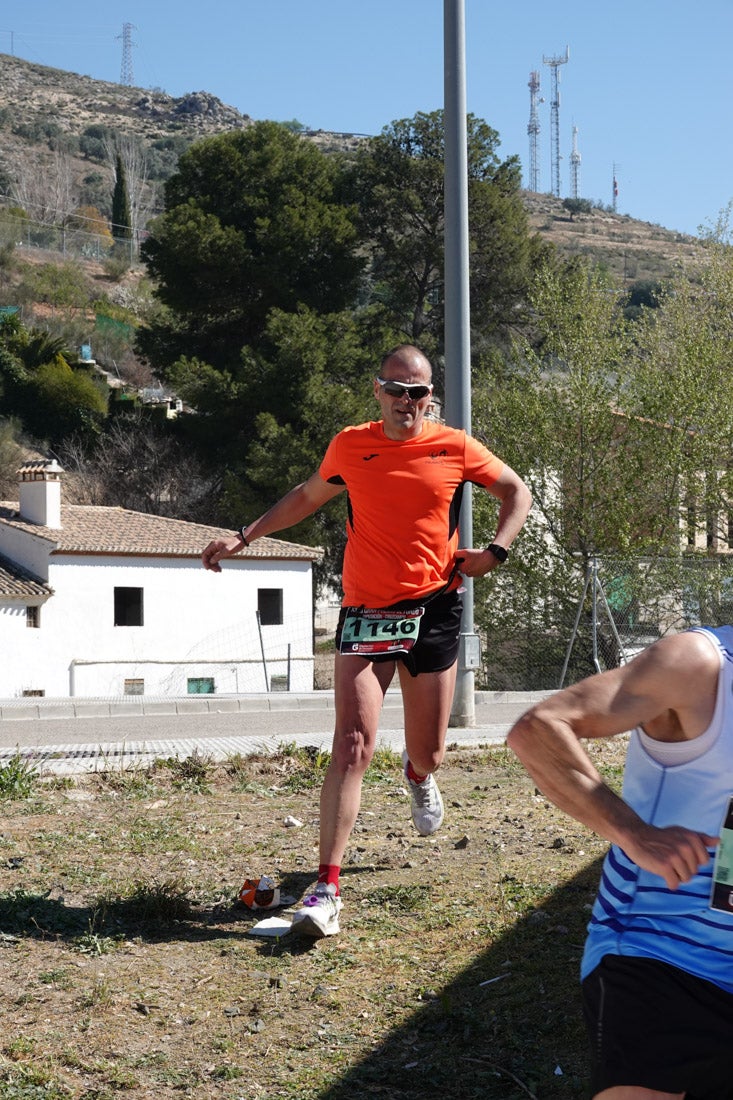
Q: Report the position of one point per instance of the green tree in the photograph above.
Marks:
(253, 222)
(556, 413)
(121, 213)
(40, 389)
(683, 380)
(36, 347)
(577, 206)
(624, 431)
(65, 403)
(398, 182)
(587, 445)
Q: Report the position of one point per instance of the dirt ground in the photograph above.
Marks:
(128, 968)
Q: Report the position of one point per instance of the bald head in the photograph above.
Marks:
(409, 357)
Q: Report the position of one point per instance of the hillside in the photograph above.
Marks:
(54, 125)
(631, 250)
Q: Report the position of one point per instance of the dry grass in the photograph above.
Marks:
(127, 970)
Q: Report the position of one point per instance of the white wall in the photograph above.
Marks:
(22, 650)
(26, 548)
(196, 624)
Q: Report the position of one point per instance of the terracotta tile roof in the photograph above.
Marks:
(17, 583)
(95, 529)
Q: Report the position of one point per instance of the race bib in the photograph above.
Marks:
(721, 896)
(368, 631)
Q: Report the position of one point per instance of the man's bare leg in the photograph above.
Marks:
(428, 699)
(359, 686)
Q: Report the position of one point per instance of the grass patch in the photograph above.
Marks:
(129, 971)
(30, 1083)
(145, 903)
(401, 898)
(191, 773)
(132, 782)
(308, 767)
(18, 778)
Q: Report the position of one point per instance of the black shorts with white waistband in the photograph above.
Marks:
(657, 1027)
(440, 629)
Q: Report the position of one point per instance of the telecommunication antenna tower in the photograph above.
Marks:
(555, 63)
(575, 167)
(533, 130)
(614, 190)
(126, 74)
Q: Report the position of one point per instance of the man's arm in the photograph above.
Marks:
(300, 502)
(516, 501)
(670, 689)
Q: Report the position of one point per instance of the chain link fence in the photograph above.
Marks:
(70, 242)
(544, 632)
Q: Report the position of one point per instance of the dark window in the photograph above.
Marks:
(270, 606)
(33, 615)
(128, 607)
(32, 693)
(201, 685)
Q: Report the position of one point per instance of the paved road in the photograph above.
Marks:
(75, 735)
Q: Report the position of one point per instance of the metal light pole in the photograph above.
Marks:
(457, 318)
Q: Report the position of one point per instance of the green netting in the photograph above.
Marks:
(111, 327)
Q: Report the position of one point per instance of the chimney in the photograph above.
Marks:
(40, 493)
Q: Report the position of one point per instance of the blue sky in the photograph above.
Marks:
(649, 83)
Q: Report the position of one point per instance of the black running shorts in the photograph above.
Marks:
(657, 1027)
(437, 645)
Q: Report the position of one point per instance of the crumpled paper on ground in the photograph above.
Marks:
(260, 893)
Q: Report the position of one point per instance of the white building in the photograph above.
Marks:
(99, 601)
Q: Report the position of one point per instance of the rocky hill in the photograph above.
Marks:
(54, 125)
(35, 97)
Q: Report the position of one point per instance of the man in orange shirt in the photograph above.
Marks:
(404, 476)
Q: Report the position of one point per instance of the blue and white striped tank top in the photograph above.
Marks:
(635, 913)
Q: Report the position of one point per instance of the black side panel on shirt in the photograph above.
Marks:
(455, 510)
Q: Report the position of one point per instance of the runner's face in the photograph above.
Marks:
(403, 416)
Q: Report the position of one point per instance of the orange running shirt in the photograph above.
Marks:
(403, 502)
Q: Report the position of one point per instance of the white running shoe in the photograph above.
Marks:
(319, 914)
(427, 805)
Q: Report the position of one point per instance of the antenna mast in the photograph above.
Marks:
(555, 63)
(575, 167)
(533, 130)
(615, 189)
(126, 73)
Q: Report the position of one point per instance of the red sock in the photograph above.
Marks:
(412, 774)
(329, 873)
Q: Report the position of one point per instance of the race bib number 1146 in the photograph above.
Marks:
(368, 631)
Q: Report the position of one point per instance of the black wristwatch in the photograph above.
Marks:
(499, 552)
(240, 532)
